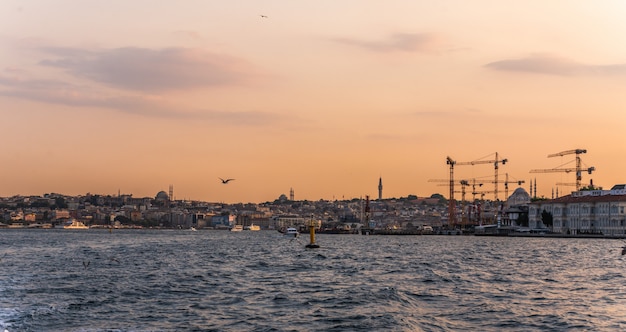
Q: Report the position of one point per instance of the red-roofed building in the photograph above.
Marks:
(583, 212)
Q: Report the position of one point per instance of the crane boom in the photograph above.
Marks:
(563, 153)
(578, 168)
(566, 170)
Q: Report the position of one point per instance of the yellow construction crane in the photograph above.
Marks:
(578, 169)
(451, 162)
(451, 202)
(463, 183)
(495, 163)
(506, 185)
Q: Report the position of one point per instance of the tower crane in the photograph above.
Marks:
(451, 162)
(495, 163)
(578, 169)
(451, 203)
(463, 183)
(506, 185)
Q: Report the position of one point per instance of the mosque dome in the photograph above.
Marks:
(519, 197)
(162, 196)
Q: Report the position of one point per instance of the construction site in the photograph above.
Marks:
(465, 215)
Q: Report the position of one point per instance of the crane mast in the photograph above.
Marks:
(451, 203)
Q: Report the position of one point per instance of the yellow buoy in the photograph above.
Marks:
(312, 235)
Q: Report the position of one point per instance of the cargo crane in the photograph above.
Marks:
(495, 163)
(578, 169)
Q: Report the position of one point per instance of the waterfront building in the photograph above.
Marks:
(515, 207)
(286, 220)
(582, 212)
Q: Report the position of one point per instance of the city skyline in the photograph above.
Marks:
(324, 98)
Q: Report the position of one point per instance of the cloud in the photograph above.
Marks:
(445, 113)
(404, 42)
(63, 93)
(553, 65)
(148, 70)
(190, 34)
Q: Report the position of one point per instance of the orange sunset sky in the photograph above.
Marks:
(323, 97)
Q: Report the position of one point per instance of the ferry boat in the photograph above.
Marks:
(253, 227)
(76, 225)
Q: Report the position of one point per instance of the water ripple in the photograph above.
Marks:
(53, 280)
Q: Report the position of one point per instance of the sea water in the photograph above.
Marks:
(166, 280)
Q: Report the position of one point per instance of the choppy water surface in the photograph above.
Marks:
(144, 280)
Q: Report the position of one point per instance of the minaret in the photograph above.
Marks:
(380, 188)
(291, 196)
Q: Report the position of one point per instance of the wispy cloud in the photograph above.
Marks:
(74, 95)
(149, 70)
(187, 34)
(445, 113)
(554, 65)
(404, 42)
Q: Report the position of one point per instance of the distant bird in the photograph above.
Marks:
(226, 181)
(263, 16)
(86, 263)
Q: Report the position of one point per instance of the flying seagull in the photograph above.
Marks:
(226, 181)
(263, 16)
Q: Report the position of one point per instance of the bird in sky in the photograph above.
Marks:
(263, 16)
(226, 181)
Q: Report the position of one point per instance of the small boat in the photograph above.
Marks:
(253, 227)
(193, 229)
(236, 228)
(291, 232)
(76, 225)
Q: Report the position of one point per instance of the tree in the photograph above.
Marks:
(547, 219)
(60, 203)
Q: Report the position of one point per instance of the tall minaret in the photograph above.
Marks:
(380, 188)
(291, 195)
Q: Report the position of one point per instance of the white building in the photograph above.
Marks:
(584, 212)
